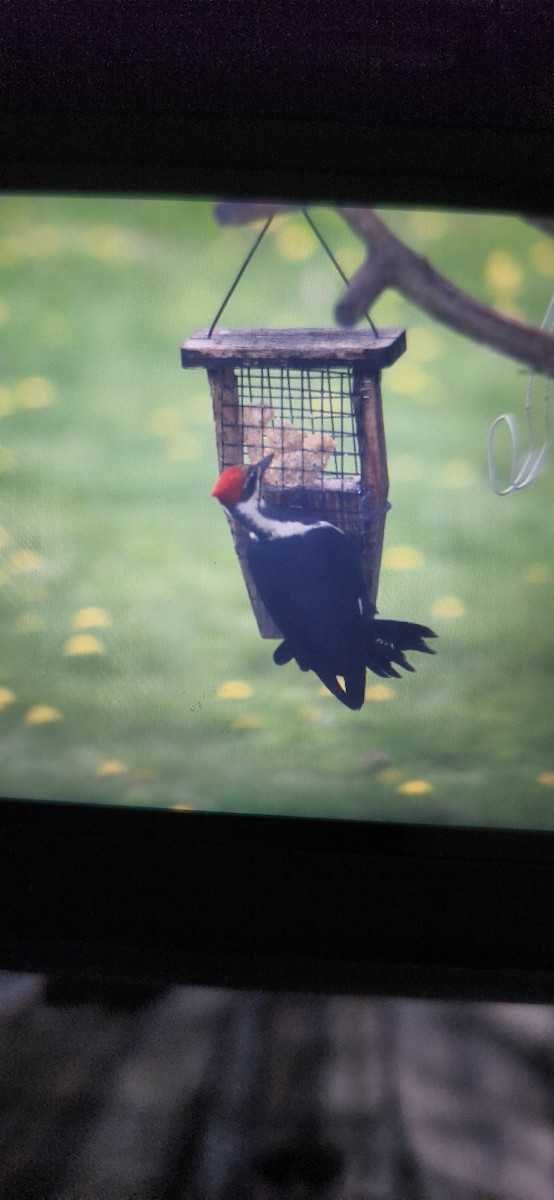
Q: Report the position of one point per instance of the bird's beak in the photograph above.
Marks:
(263, 464)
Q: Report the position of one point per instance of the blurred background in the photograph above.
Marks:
(131, 670)
(113, 1092)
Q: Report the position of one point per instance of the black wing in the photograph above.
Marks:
(311, 585)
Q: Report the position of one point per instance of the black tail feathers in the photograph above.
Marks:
(386, 642)
(283, 654)
(353, 691)
(383, 643)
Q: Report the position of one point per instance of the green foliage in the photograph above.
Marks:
(131, 670)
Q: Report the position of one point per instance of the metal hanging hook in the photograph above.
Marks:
(239, 275)
(251, 253)
(522, 475)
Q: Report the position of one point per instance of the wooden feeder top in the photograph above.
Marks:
(294, 348)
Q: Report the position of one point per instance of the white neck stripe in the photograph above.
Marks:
(249, 514)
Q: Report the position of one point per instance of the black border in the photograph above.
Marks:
(304, 160)
(264, 902)
(445, 104)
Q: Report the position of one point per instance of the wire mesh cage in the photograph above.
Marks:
(312, 398)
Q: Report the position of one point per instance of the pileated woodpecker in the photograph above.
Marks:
(310, 581)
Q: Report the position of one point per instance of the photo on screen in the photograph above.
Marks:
(263, 552)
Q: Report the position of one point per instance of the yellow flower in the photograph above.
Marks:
(457, 473)
(407, 378)
(308, 712)
(111, 767)
(429, 225)
(42, 714)
(402, 558)
(6, 402)
(233, 689)
(83, 643)
(295, 242)
(389, 775)
(503, 273)
(448, 606)
(23, 561)
(247, 721)
(414, 787)
(349, 258)
(546, 778)
(6, 697)
(542, 257)
(424, 345)
(34, 392)
(182, 808)
(537, 573)
(42, 241)
(165, 422)
(379, 691)
(110, 244)
(90, 618)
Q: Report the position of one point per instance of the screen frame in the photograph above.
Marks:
(265, 902)
(277, 903)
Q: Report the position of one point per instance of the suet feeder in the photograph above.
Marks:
(312, 397)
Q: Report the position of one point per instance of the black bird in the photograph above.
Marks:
(309, 578)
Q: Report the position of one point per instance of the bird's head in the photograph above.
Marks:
(237, 486)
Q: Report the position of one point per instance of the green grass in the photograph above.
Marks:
(105, 503)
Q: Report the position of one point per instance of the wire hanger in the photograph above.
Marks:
(522, 475)
(251, 253)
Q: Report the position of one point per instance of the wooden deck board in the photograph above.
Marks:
(200, 1094)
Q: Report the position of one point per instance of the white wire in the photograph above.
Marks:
(521, 476)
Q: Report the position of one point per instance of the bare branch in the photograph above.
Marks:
(391, 264)
(418, 281)
(240, 212)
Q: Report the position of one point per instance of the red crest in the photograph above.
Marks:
(228, 489)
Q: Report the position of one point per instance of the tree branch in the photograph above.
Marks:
(241, 212)
(418, 281)
(391, 264)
